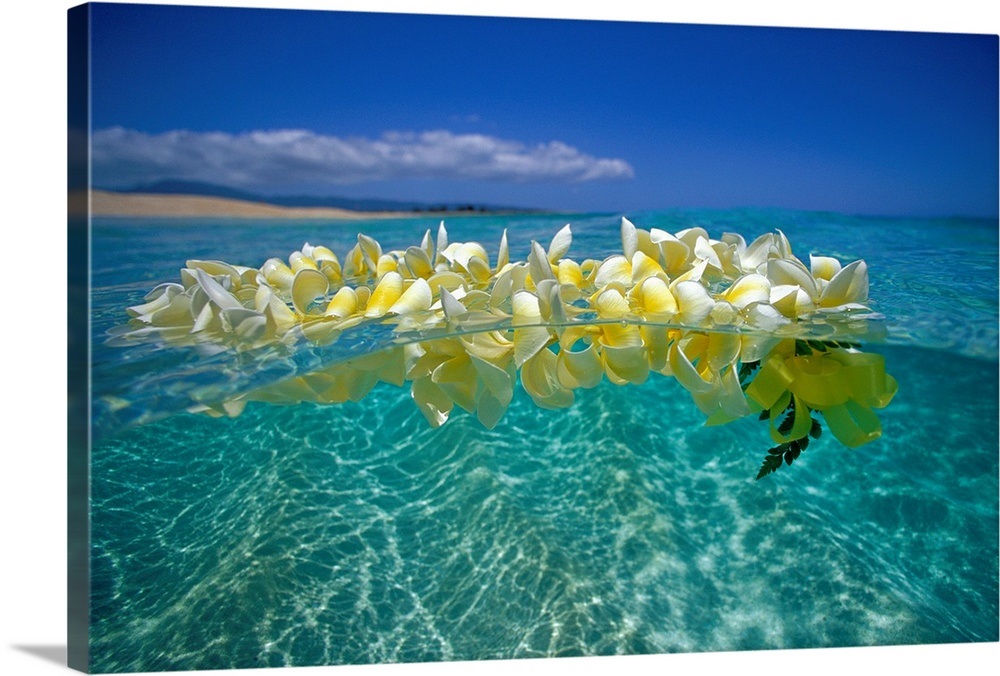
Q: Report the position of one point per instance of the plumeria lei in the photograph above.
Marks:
(734, 323)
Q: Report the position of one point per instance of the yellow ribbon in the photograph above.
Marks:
(845, 386)
(770, 382)
(801, 425)
(853, 424)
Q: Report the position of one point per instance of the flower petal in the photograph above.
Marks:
(581, 368)
(371, 251)
(343, 304)
(644, 267)
(790, 300)
(656, 297)
(206, 319)
(152, 305)
(723, 350)
(630, 238)
(685, 372)
(308, 285)
(299, 261)
(386, 263)
(657, 342)
(457, 378)
(386, 293)
(538, 264)
(765, 317)
(442, 242)
(277, 274)
(550, 302)
(695, 274)
(177, 312)
(752, 288)
(217, 269)
(758, 252)
(823, 267)
(611, 304)
(418, 262)
(416, 298)
(503, 257)
(427, 245)
(465, 252)
(445, 279)
(215, 292)
(491, 346)
(674, 253)
(490, 409)
(620, 335)
(629, 363)
(495, 379)
(614, 269)
(529, 341)
(431, 400)
(704, 250)
(280, 317)
(733, 401)
(323, 331)
(540, 380)
(693, 303)
(724, 314)
(570, 273)
(479, 270)
(690, 236)
(782, 271)
(451, 306)
(560, 244)
(849, 285)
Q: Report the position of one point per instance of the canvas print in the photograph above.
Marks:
(416, 338)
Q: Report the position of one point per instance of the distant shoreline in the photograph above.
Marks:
(148, 205)
(106, 203)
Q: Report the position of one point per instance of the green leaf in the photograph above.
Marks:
(747, 369)
(746, 373)
(788, 452)
(802, 349)
(817, 345)
(844, 344)
(771, 464)
(792, 454)
(786, 425)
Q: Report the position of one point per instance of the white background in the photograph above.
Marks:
(33, 370)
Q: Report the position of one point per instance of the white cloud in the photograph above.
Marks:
(289, 156)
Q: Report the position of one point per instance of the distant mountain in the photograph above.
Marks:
(174, 187)
(190, 188)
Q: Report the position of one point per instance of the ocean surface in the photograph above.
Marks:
(354, 533)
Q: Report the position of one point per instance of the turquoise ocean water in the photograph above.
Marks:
(354, 533)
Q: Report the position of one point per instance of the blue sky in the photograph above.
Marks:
(561, 114)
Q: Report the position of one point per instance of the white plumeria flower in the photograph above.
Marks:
(682, 305)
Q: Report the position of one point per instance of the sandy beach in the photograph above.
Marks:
(105, 203)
